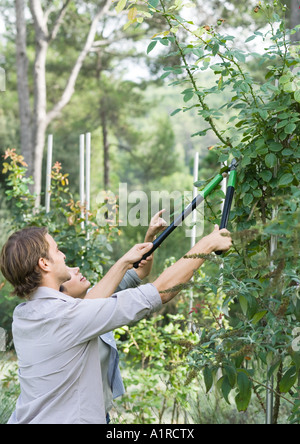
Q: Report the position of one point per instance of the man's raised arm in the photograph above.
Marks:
(108, 284)
(182, 271)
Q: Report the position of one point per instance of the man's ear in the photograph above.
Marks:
(44, 264)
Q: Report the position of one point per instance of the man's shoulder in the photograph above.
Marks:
(45, 302)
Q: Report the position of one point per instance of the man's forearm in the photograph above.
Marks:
(182, 271)
(107, 286)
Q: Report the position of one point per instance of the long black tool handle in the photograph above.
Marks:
(188, 210)
(226, 211)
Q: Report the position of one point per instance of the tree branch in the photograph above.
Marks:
(69, 90)
(58, 21)
(39, 17)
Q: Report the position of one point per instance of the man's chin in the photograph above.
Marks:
(88, 285)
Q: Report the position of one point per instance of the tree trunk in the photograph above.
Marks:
(40, 106)
(23, 89)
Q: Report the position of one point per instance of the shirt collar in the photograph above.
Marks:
(49, 293)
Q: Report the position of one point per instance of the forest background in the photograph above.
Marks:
(120, 97)
(80, 76)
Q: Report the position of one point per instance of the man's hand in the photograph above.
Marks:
(107, 286)
(157, 224)
(136, 253)
(219, 240)
(182, 271)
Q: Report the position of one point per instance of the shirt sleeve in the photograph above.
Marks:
(88, 318)
(130, 280)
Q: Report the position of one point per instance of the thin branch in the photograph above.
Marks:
(58, 21)
(49, 11)
(272, 390)
(204, 106)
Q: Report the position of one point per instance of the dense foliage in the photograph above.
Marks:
(89, 247)
(258, 288)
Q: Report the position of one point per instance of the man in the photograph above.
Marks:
(78, 287)
(56, 336)
(112, 383)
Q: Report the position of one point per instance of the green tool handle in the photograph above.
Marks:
(188, 210)
(228, 202)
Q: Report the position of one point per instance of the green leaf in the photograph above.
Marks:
(176, 111)
(286, 179)
(121, 5)
(240, 56)
(208, 378)
(165, 75)
(231, 374)
(258, 316)
(215, 49)
(188, 96)
(151, 46)
(153, 3)
(248, 199)
(246, 161)
(225, 388)
(285, 79)
(275, 147)
(244, 304)
(249, 39)
(290, 129)
(296, 170)
(287, 152)
(244, 87)
(244, 396)
(288, 380)
(270, 160)
(266, 175)
(257, 193)
(296, 359)
(297, 96)
(164, 41)
(289, 87)
(263, 114)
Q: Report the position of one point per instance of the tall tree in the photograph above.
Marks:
(35, 121)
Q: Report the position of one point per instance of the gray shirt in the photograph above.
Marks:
(109, 358)
(56, 340)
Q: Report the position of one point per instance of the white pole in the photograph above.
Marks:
(270, 381)
(273, 248)
(48, 173)
(194, 228)
(88, 177)
(81, 178)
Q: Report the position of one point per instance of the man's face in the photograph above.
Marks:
(57, 258)
(78, 285)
